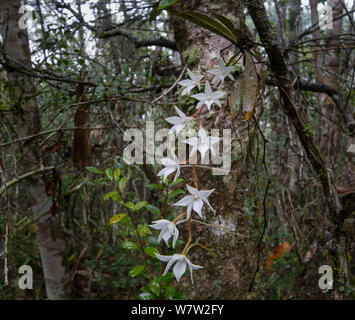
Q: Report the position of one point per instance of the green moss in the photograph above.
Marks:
(192, 56)
(237, 70)
(233, 18)
(307, 130)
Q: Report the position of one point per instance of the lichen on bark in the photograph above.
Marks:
(191, 56)
(228, 271)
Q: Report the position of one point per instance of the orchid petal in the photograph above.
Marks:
(203, 148)
(186, 82)
(173, 120)
(176, 236)
(199, 96)
(177, 174)
(185, 201)
(208, 90)
(197, 206)
(168, 266)
(163, 258)
(192, 190)
(189, 209)
(192, 267)
(179, 269)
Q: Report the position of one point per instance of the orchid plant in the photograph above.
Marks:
(197, 198)
(191, 83)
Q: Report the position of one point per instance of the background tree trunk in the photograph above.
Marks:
(330, 130)
(16, 48)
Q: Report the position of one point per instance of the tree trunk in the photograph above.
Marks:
(107, 25)
(81, 140)
(335, 240)
(330, 130)
(294, 22)
(228, 274)
(22, 93)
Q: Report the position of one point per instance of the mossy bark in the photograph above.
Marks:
(278, 67)
(227, 274)
(22, 93)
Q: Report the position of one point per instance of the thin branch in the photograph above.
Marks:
(23, 177)
(51, 131)
(172, 87)
(330, 91)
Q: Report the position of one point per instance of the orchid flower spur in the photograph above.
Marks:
(195, 201)
(178, 122)
(168, 230)
(190, 83)
(221, 72)
(202, 143)
(171, 165)
(209, 97)
(181, 261)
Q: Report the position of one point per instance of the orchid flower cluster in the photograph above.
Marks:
(201, 143)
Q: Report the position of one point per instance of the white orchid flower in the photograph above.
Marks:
(202, 143)
(178, 122)
(190, 83)
(181, 261)
(171, 165)
(209, 97)
(221, 72)
(195, 201)
(168, 229)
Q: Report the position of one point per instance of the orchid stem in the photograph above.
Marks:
(190, 236)
(203, 247)
(194, 175)
(178, 217)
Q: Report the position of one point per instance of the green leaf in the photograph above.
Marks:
(137, 270)
(156, 186)
(129, 245)
(146, 296)
(175, 182)
(150, 251)
(139, 205)
(94, 170)
(122, 183)
(143, 229)
(207, 23)
(117, 218)
(109, 173)
(153, 209)
(116, 173)
(228, 23)
(174, 194)
(114, 195)
(165, 279)
(170, 292)
(130, 205)
(166, 3)
(180, 296)
(126, 221)
(155, 287)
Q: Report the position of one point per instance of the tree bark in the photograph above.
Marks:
(330, 131)
(107, 25)
(22, 93)
(228, 274)
(258, 13)
(294, 22)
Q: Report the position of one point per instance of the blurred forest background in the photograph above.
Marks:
(84, 71)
